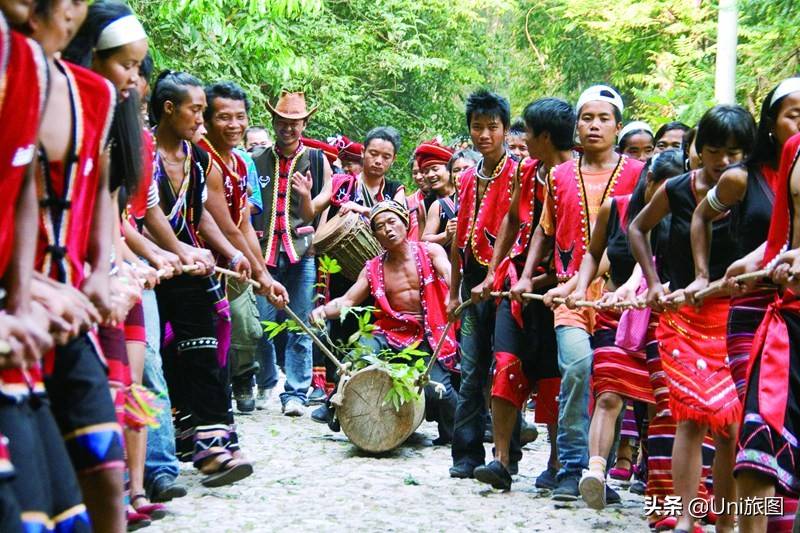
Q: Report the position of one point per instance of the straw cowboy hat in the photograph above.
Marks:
(292, 106)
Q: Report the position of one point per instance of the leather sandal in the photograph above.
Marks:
(230, 470)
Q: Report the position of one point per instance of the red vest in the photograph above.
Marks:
(23, 78)
(479, 230)
(403, 330)
(530, 192)
(572, 222)
(234, 183)
(781, 224)
(68, 189)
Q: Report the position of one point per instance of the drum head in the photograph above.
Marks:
(325, 231)
(368, 420)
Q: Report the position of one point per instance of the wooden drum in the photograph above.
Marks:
(349, 240)
(370, 422)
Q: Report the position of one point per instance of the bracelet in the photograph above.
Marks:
(714, 202)
(235, 259)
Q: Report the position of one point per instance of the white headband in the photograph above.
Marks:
(635, 126)
(786, 87)
(602, 93)
(122, 31)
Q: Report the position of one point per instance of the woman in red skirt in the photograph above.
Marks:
(692, 337)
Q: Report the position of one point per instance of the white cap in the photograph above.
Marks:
(636, 125)
(122, 31)
(602, 93)
(785, 88)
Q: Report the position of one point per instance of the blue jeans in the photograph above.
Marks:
(267, 376)
(160, 459)
(477, 329)
(299, 279)
(575, 364)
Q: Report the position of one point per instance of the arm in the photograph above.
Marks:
(504, 242)
(217, 205)
(730, 190)
(431, 233)
(455, 279)
(539, 246)
(17, 281)
(591, 260)
(216, 240)
(356, 294)
(95, 286)
(441, 263)
(302, 185)
(639, 243)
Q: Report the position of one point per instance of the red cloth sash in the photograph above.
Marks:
(403, 330)
(478, 226)
(571, 213)
(78, 182)
(772, 346)
(233, 182)
(24, 81)
(137, 203)
(780, 225)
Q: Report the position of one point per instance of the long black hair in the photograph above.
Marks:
(659, 168)
(125, 133)
(766, 150)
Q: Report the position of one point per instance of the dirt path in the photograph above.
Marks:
(310, 479)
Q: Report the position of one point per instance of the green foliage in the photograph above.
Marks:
(410, 64)
(405, 368)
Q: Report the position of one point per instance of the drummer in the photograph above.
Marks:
(409, 285)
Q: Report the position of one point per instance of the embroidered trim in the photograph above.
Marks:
(275, 190)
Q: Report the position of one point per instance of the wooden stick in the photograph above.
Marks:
(440, 344)
(540, 297)
(718, 286)
(319, 343)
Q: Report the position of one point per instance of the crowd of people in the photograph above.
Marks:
(635, 288)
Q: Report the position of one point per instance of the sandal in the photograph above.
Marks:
(136, 520)
(622, 474)
(156, 511)
(229, 471)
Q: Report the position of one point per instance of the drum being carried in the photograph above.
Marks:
(349, 240)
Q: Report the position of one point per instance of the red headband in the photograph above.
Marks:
(432, 153)
(331, 154)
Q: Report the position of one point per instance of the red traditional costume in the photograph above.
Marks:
(427, 154)
(692, 340)
(525, 346)
(402, 329)
(234, 181)
(349, 150)
(33, 460)
(477, 230)
(568, 190)
(771, 425)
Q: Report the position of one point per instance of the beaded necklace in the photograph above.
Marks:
(233, 189)
(478, 208)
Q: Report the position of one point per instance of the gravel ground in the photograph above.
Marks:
(308, 478)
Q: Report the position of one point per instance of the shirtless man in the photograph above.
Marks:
(400, 280)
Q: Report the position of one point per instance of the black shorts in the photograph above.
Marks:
(45, 488)
(81, 402)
